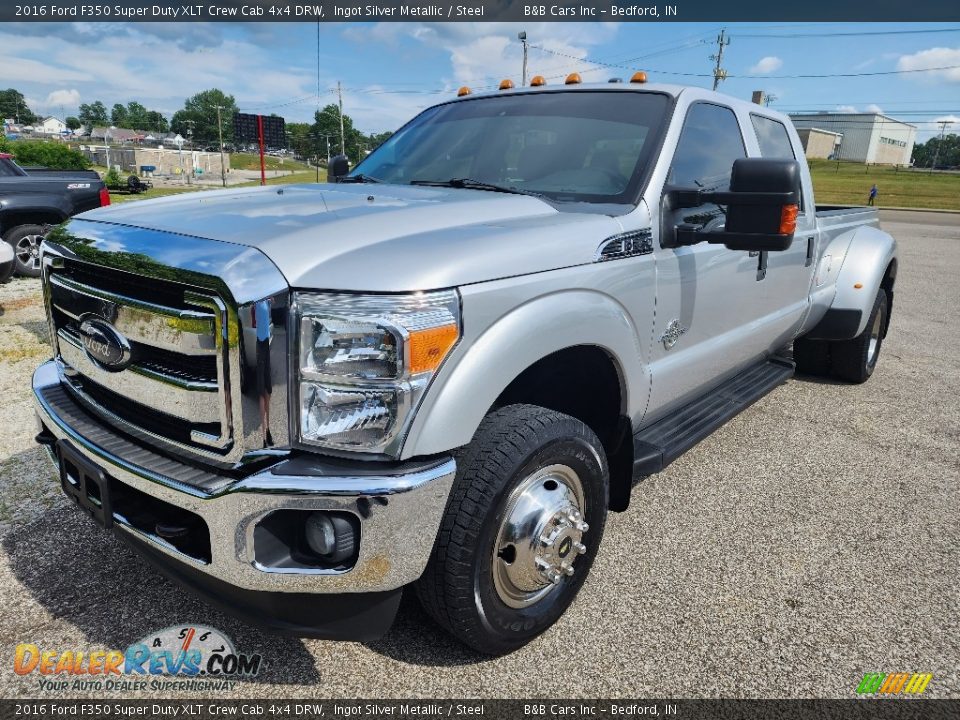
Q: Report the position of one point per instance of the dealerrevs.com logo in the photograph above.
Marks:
(894, 683)
(200, 657)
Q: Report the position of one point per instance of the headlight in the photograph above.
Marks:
(365, 362)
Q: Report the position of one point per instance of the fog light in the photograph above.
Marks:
(331, 537)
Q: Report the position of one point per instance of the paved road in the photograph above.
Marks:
(812, 539)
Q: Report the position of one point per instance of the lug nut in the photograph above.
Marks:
(580, 548)
(568, 569)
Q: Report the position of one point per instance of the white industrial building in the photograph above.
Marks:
(866, 137)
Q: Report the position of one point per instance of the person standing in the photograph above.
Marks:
(873, 194)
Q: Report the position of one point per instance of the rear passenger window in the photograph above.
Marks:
(773, 138)
(709, 143)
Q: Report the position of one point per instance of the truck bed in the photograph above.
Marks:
(836, 219)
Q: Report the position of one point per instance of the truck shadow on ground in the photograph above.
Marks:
(84, 575)
(417, 640)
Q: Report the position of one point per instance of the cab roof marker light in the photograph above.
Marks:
(572, 79)
(506, 84)
(639, 77)
(538, 81)
(464, 91)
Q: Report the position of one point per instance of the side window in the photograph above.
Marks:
(709, 143)
(774, 141)
(773, 138)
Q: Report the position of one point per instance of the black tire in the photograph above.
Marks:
(25, 241)
(812, 356)
(851, 360)
(457, 588)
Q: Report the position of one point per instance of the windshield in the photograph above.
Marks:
(579, 146)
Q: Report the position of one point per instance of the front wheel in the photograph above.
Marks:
(25, 241)
(521, 529)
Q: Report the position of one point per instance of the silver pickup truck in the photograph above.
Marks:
(443, 368)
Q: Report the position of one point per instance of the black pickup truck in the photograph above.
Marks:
(33, 200)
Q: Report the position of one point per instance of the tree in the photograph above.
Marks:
(299, 140)
(14, 105)
(93, 115)
(156, 121)
(118, 116)
(924, 153)
(198, 119)
(73, 123)
(49, 154)
(326, 122)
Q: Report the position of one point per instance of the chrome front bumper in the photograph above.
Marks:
(400, 507)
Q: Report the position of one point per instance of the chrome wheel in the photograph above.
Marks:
(873, 347)
(27, 251)
(540, 537)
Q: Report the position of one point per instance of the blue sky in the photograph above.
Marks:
(391, 70)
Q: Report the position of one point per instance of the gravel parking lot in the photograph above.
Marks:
(812, 539)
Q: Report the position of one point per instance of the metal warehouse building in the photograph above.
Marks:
(867, 137)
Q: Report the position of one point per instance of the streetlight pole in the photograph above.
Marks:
(343, 142)
(223, 167)
(522, 37)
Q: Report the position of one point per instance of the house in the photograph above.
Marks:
(116, 135)
(50, 126)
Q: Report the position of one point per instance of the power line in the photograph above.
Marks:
(850, 34)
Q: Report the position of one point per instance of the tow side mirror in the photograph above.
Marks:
(338, 168)
(762, 206)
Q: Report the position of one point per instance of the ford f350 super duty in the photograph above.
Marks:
(441, 370)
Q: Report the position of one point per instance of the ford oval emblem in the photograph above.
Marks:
(104, 345)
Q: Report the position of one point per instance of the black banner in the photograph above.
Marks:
(474, 11)
(202, 709)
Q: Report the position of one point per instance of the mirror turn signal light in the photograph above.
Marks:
(639, 77)
(572, 79)
(788, 219)
(463, 91)
(429, 347)
(537, 81)
(506, 84)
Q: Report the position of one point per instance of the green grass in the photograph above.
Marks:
(251, 161)
(850, 184)
(122, 197)
(304, 176)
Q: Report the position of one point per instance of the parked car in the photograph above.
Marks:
(32, 201)
(442, 370)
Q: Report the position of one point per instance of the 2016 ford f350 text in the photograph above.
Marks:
(443, 370)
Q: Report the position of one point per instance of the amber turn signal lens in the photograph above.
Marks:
(429, 347)
(572, 79)
(463, 91)
(788, 219)
(537, 81)
(639, 77)
(506, 84)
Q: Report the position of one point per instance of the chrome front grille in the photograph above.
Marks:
(176, 388)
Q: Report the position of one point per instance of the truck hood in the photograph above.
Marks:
(382, 238)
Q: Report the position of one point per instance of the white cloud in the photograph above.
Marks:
(871, 108)
(767, 64)
(846, 109)
(67, 98)
(931, 58)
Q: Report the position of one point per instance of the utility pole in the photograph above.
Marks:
(718, 72)
(223, 168)
(190, 124)
(936, 153)
(522, 37)
(343, 141)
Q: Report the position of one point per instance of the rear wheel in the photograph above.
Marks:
(855, 360)
(25, 241)
(521, 530)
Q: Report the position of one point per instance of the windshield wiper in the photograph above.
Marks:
(360, 178)
(471, 184)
